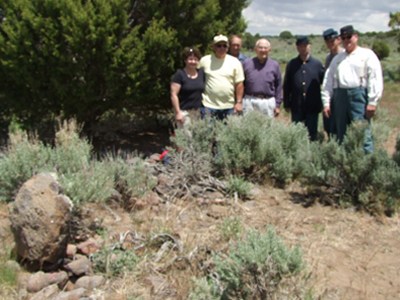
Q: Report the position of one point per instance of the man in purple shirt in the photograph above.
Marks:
(263, 82)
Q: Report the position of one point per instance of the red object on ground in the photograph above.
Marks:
(163, 154)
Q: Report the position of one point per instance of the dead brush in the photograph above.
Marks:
(188, 175)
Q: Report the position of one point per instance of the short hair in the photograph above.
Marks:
(232, 36)
(189, 51)
(262, 40)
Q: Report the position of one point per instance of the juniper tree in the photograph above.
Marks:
(82, 58)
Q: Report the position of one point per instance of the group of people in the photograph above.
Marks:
(345, 88)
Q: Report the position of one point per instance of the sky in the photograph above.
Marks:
(271, 17)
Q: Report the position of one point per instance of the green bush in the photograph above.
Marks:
(254, 146)
(23, 157)
(114, 262)
(83, 178)
(254, 268)
(381, 49)
(132, 179)
(239, 186)
(231, 228)
(367, 181)
(94, 183)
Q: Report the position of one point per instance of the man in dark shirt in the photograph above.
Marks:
(302, 87)
(333, 43)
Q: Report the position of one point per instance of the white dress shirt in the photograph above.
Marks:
(360, 68)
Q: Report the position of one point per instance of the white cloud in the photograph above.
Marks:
(313, 16)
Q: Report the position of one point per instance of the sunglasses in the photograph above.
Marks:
(221, 46)
(346, 37)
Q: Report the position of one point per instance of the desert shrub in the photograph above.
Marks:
(93, 183)
(83, 178)
(203, 289)
(257, 147)
(239, 186)
(199, 136)
(255, 267)
(367, 181)
(71, 152)
(23, 157)
(114, 262)
(132, 179)
(231, 228)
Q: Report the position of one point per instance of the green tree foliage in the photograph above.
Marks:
(82, 58)
(394, 23)
(286, 35)
(381, 49)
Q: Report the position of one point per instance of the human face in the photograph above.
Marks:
(220, 49)
(304, 50)
(234, 46)
(192, 61)
(262, 50)
(333, 43)
(349, 42)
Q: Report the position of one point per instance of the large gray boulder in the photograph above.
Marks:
(40, 217)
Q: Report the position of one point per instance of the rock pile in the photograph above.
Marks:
(40, 218)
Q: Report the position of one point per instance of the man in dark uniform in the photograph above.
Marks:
(302, 87)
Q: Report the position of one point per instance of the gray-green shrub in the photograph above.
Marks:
(239, 186)
(368, 181)
(114, 262)
(83, 178)
(259, 147)
(23, 157)
(254, 267)
(133, 178)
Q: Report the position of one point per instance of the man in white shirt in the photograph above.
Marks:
(352, 86)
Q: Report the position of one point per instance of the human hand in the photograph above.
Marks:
(327, 112)
(277, 111)
(179, 117)
(238, 108)
(370, 111)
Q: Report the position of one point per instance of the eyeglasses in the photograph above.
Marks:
(346, 37)
(221, 46)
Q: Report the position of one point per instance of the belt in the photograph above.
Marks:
(263, 96)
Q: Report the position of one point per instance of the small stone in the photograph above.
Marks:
(40, 280)
(90, 282)
(80, 266)
(49, 292)
(88, 247)
(71, 250)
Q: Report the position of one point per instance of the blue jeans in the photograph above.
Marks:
(219, 114)
(310, 120)
(349, 105)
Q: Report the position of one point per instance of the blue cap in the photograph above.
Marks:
(347, 30)
(302, 39)
(330, 34)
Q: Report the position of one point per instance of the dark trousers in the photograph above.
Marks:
(310, 120)
(349, 105)
(219, 114)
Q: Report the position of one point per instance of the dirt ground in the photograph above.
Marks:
(349, 255)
